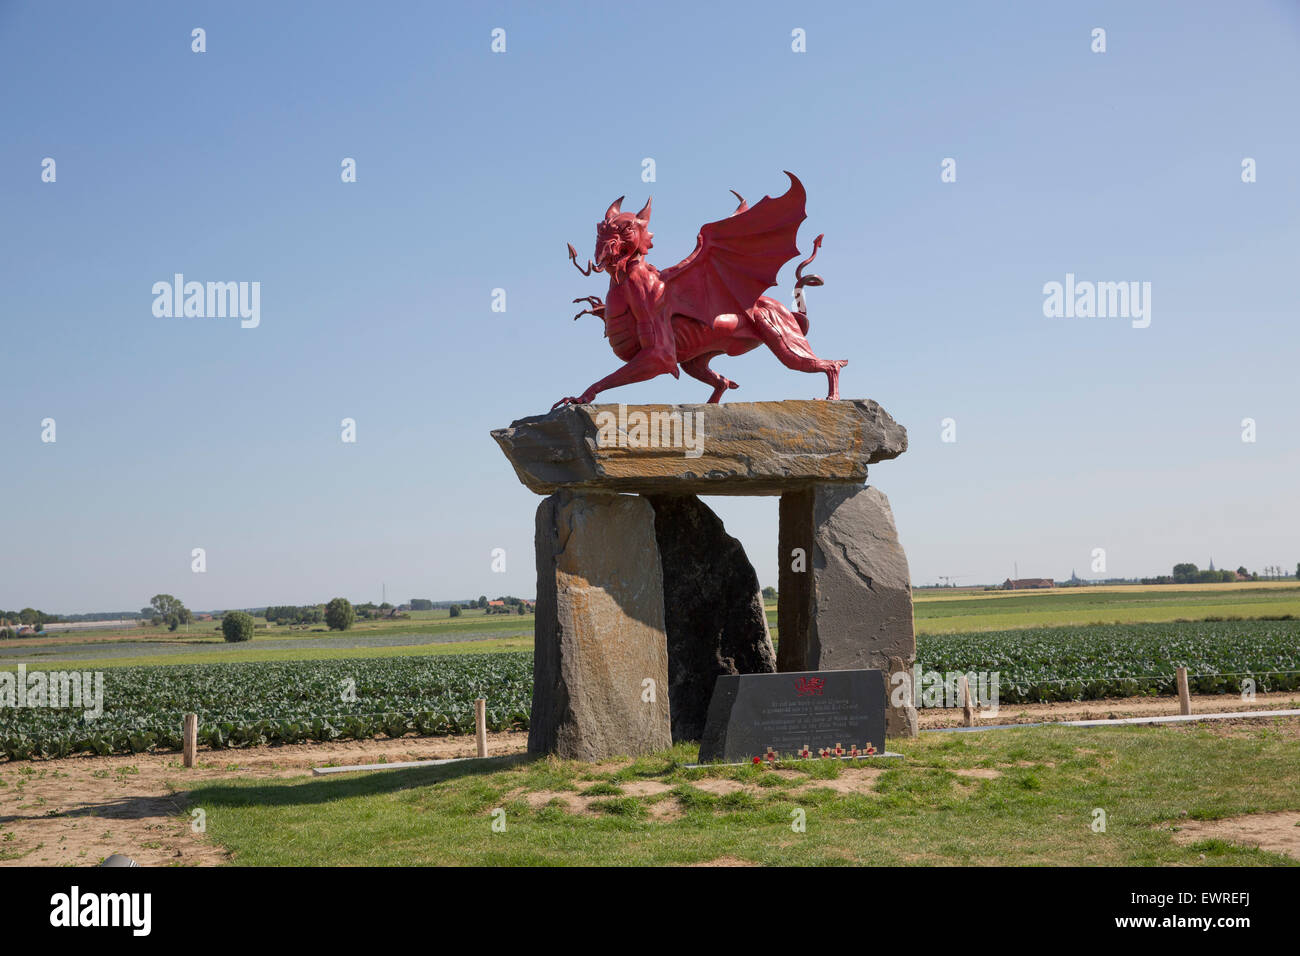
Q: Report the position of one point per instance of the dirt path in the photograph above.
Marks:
(1277, 832)
(931, 718)
(78, 810)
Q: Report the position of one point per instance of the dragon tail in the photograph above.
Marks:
(801, 280)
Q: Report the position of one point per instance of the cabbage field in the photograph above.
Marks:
(1041, 664)
(245, 704)
(286, 702)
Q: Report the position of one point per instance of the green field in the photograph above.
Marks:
(422, 633)
(1024, 796)
(435, 633)
(1020, 797)
(940, 613)
(250, 703)
(421, 675)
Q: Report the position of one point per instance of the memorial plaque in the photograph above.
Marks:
(807, 714)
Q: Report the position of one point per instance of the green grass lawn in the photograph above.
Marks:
(1034, 805)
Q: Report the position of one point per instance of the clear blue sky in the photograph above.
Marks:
(474, 170)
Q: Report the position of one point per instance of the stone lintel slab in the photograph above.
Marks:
(736, 448)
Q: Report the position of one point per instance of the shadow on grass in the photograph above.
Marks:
(344, 786)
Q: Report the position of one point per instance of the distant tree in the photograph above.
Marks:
(482, 600)
(237, 626)
(421, 604)
(339, 614)
(170, 611)
(769, 593)
(29, 616)
(454, 610)
(1185, 573)
(291, 614)
(1243, 572)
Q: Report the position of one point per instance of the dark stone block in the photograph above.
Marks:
(789, 711)
(713, 608)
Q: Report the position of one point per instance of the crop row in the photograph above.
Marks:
(1089, 662)
(246, 704)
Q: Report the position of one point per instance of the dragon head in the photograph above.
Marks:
(622, 236)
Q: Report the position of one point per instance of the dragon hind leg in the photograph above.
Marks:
(780, 332)
(698, 367)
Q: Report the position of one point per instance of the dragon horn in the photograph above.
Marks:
(614, 208)
(644, 214)
(743, 205)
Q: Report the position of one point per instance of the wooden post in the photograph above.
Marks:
(1184, 695)
(189, 738)
(480, 725)
(967, 707)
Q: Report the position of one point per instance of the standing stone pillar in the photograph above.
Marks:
(599, 633)
(845, 593)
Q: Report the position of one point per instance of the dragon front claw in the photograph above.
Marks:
(586, 398)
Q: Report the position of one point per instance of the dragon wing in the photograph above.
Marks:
(736, 259)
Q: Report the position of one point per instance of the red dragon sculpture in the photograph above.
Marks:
(709, 304)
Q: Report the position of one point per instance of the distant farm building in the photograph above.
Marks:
(1024, 584)
(496, 603)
